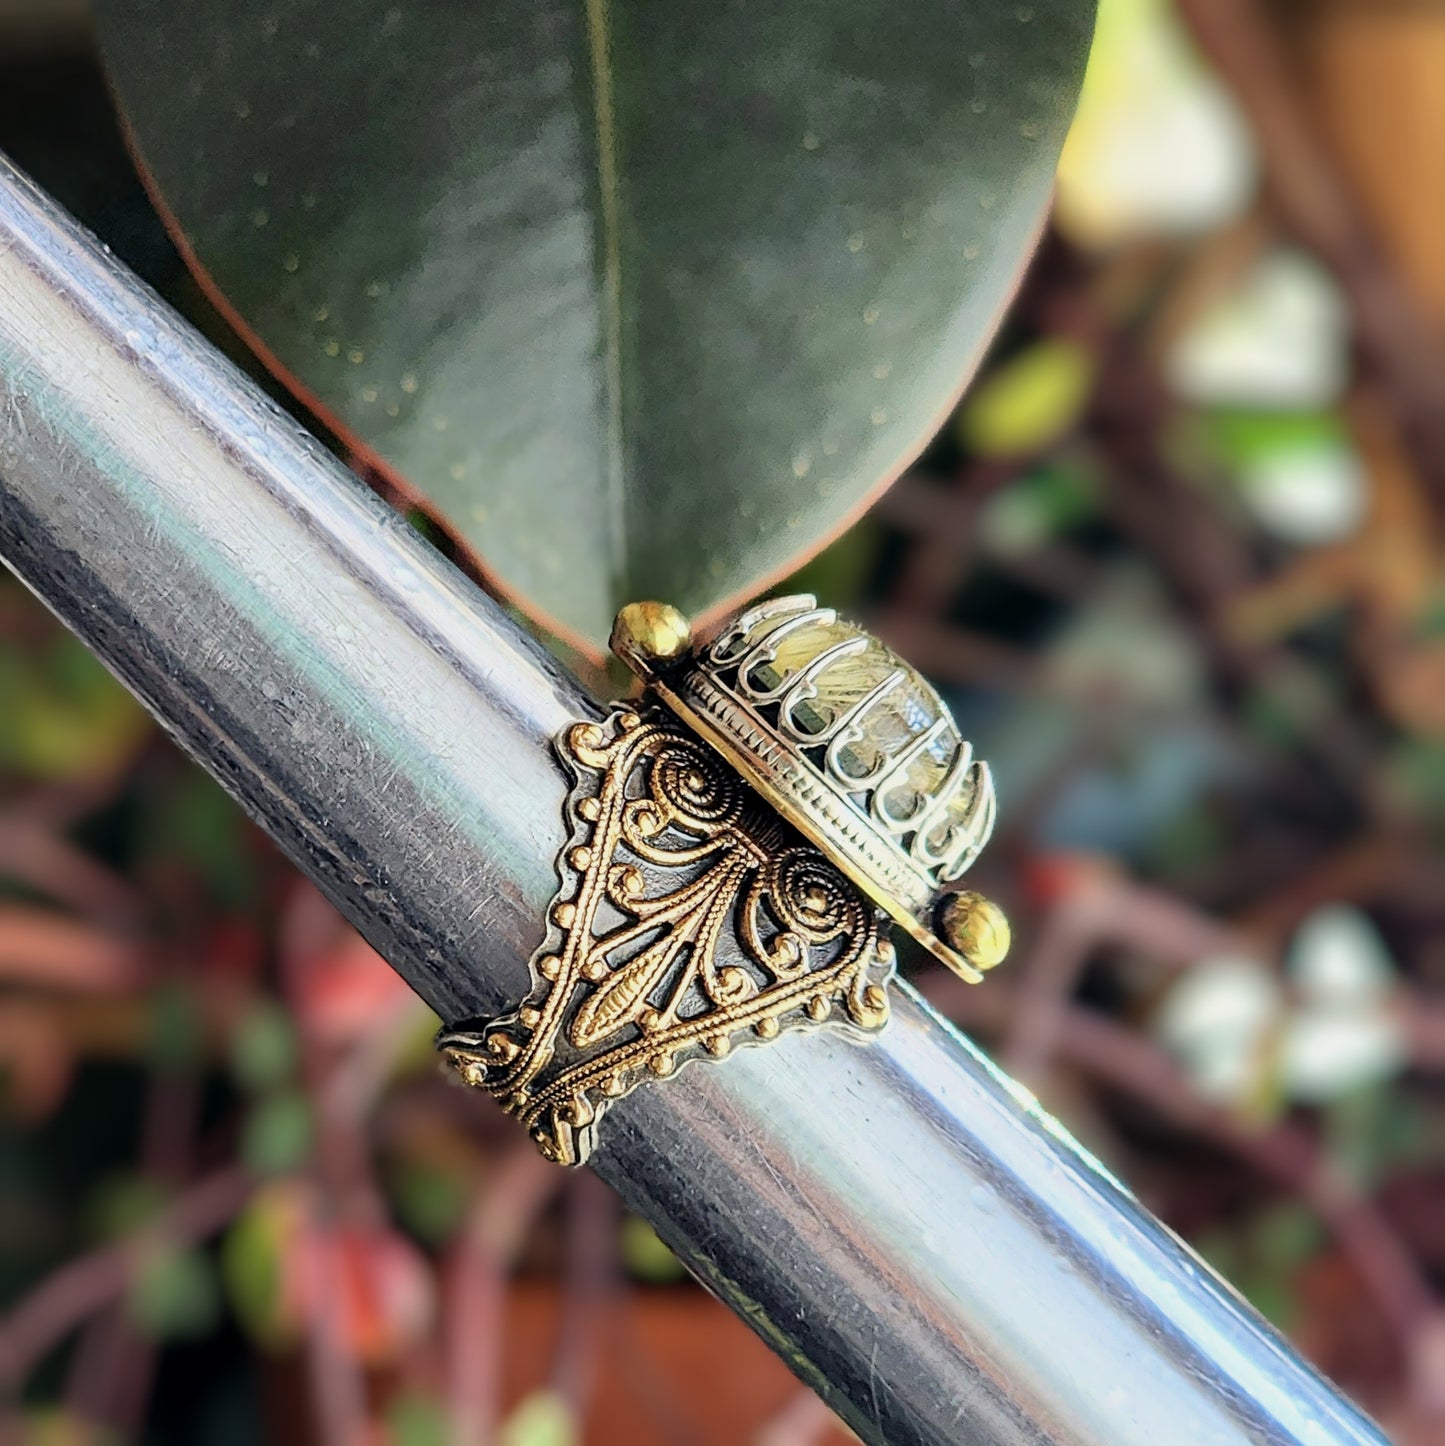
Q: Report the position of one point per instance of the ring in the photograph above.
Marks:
(736, 844)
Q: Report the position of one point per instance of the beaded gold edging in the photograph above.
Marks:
(689, 920)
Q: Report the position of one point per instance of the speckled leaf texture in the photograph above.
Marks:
(646, 297)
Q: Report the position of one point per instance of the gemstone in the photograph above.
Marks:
(792, 649)
(884, 730)
(888, 726)
(950, 830)
(903, 798)
(848, 707)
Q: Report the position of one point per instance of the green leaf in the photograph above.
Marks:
(646, 299)
(429, 1200)
(253, 1264)
(277, 1134)
(176, 1029)
(1243, 437)
(839, 573)
(263, 1049)
(416, 1421)
(1415, 779)
(1272, 1296)
(1033, 510)
(201, 822)
(174, 1295)
(64, 715)
(1285, 1236)
(123, 1205)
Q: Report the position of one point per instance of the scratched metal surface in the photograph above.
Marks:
(894, 1218)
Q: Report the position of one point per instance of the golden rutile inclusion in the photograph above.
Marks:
(865, 722)
(910, 709)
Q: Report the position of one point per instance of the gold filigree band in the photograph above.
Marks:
(690, 919)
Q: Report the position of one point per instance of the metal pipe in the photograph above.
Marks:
(898, 1220)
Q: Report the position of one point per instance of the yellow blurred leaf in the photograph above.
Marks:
(542, 1419)
(645, 1254)
(54, 1426)
(1028, 401)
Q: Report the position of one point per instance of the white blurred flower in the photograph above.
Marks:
(1241, 1035)
(1337, 960)
(1157, 146)
(1308, 494)
(1325, 1056)
(1217, 1021)
(1345, 1032)
(1279, 341)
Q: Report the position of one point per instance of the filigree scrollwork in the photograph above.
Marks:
(690, 920)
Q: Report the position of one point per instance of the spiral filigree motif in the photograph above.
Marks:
(811, 896)
(692, 790)
(689, 920)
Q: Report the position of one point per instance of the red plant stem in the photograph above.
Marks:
(114, 1366)
(590, 1286)
(1105, 908)
(803, 1421)
(341, 1087)
(938, 559)
(357, 1081)
(111, 1373)
(475, 1278)
(36, 855)
(85, 1285)
(338, 1388)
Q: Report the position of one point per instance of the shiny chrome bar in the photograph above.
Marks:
(896, 1219)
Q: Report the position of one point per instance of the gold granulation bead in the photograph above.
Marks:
(977, 928)
(650, 632)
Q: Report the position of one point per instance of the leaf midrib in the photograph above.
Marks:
(605, 133)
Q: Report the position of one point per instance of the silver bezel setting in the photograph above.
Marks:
(900, 855)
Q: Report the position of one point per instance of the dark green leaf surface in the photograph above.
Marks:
(646, 298)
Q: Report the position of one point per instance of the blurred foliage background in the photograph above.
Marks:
(1176, 564)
